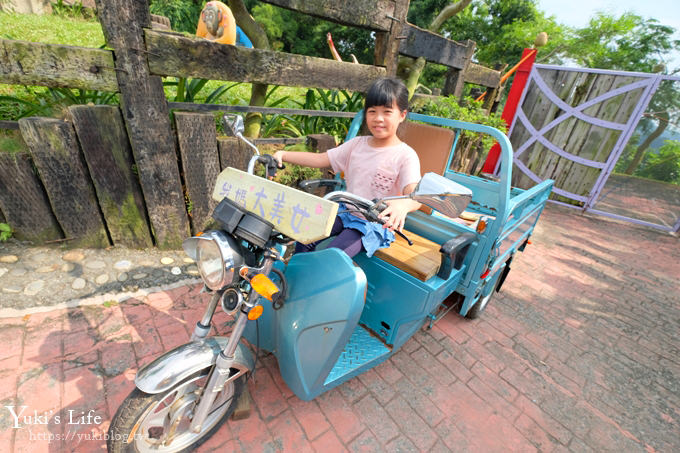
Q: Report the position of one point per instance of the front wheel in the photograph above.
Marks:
(160, 422)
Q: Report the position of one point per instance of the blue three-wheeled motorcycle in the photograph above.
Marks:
(325, 317)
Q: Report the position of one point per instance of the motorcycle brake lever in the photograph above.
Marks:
(379, 208)
(410, 242)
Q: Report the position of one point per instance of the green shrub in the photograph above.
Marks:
(663, 165)
(75, 10)
(5, 232)
(300, 125)
(188, 90)
(183, 14)
(292, 174)
(472, 147)
(51, 101)
(11, 142)
(470, 111)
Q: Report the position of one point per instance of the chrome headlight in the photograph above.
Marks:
(217, 256)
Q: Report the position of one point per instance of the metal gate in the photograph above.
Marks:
(572, 125)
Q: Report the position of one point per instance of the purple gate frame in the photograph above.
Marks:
(649, 83)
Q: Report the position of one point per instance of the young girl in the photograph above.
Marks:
(375, 166)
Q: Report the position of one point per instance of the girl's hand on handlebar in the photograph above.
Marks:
(279, 158)
(394, 215)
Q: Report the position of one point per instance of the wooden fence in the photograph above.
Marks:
(575, 151)
(116, 176)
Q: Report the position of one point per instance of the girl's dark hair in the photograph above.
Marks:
(383, 91)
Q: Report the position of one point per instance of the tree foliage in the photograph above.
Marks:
(501, 28)
(183, 14)
(664, 165)
(629, 42)
(293, 32)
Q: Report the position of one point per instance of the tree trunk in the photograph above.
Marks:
(415, 66)
(258, 36)
(639, 154)
(448, 12)
(415, 69)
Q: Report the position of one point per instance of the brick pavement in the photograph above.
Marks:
(578, 353)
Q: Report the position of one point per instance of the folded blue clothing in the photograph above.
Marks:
(374, 235)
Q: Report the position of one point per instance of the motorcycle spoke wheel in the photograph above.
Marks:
(161, 422)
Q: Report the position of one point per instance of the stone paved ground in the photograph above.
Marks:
(579, 353)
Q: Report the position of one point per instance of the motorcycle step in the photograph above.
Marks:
(363, 351)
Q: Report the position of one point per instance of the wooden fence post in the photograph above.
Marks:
(55, 152)
(455, 78)
(105, 145)
(387, 43)
(147, 119)
(234, 153)
(197, 138)
(23, 200)
(320, 143)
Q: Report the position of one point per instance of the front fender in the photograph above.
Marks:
(183, 361)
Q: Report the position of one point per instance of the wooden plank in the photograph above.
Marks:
(197, 138)
(617, 109)
(24, 202)
(55, 152)
(297, 214)
(172, 54)
(561, 83)
(559, 134)
(371, 14)
(418, 42)
(104, 141)
(540, 111)
(582, 140)
(234, 153)
(562, 134)
(389, 44)
(278, 141)
(243, 405)
(422, 259)
(147, 119)
(9, 125)
(481, 75)
(455, 78)
(52, 65)
(253, 108)
(320, 143)
(493, 94)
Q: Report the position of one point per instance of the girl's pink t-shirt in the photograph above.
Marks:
(375, 172)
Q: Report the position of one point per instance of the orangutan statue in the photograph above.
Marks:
(217, 23)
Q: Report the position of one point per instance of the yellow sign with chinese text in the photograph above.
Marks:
(297, 214)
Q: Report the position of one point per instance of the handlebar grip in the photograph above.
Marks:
(271, 165)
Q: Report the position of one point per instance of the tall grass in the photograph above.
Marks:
(51, 29)
(71, 29)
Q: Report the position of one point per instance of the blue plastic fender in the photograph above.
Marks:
(324, 303)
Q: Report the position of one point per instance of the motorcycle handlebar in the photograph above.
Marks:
(270, 165)
(370, 209)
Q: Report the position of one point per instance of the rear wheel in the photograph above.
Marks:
(476, 310)
(160, 422)
(483, 301)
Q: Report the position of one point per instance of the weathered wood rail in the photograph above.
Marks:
(133, 174)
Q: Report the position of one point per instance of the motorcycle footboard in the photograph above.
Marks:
(363, 351)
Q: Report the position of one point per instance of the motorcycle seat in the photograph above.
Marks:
(421, 260)
(433, 145)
